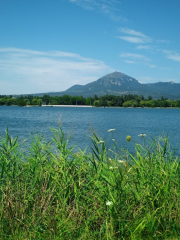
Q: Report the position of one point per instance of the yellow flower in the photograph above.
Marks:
(128, 138)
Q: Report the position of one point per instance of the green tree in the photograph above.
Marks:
(109, 103)
(89, 101)
(53, 102)
(21, 102)
(178, 104)
(149, 103)
(46, 99)
(96, 103)
(130, 103)
(27, 101)
(157, 103)
(142, 103)
(34, 101)
(39, 102)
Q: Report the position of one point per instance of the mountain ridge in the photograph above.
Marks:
(118, 83)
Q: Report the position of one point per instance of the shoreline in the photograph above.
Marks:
(65, 106)
(87, 106)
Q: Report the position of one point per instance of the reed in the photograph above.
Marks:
(48, 191)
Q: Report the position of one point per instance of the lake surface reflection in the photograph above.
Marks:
(78, 122)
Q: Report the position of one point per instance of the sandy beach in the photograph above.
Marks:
(65, 106)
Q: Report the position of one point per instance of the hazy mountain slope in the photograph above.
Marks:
(118, 83)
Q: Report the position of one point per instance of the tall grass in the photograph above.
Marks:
(49, 192)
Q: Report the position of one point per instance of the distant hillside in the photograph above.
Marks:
(118, 83)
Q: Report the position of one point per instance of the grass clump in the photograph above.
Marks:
(48, 191)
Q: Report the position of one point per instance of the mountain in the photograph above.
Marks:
(115, 83)
(118, 83)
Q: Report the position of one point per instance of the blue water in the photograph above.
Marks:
(22, 121)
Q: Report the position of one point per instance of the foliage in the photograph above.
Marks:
(48, 191)
(103, 101)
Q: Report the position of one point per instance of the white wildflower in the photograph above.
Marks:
(111, 130)
(142, 135)
(121, 161)
(113, 140)
(112, 167)
(101, 142)
(108, 203)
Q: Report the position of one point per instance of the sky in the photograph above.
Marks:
(51, 45)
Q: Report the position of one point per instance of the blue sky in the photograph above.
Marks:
(50, 45)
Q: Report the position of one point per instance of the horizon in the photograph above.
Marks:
(25, 94)
(49, 47)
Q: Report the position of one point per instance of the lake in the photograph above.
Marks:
(21, 121)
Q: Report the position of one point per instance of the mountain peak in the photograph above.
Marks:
(118, 76)
(115, 74)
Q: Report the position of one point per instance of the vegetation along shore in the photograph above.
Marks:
(48, 191)
(103, 101)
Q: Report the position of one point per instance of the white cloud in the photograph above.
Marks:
(135, 37)
(162, 41)
(84, 3)
(151, 65)
(174, 56)
(131, 62)
(108, 7)
(132, 32)
(171, 55)
(165, 68)
(132, 39)
(29, 71)
(134, 56)
(146, 47)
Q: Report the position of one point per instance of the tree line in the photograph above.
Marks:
(129, 100)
